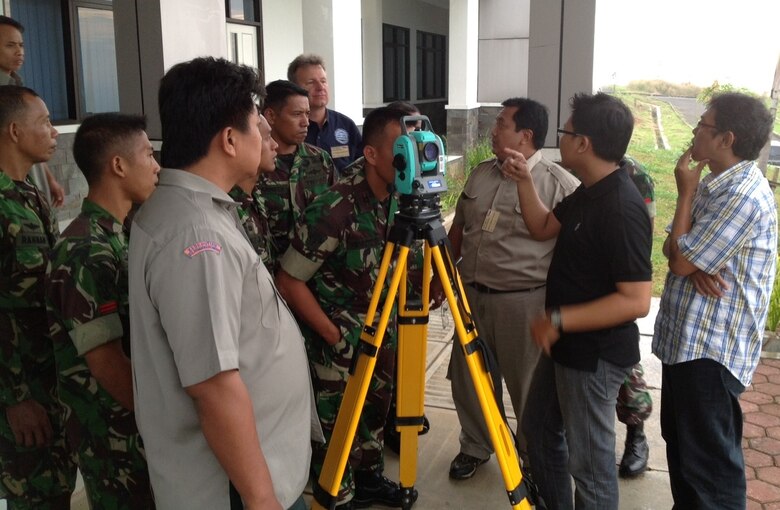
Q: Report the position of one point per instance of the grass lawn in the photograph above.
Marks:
(660, 164)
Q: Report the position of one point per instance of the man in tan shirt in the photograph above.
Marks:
(504, 272)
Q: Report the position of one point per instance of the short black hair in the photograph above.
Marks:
(278, 91)
(529, 115)
(12, 102)
(747, 118)
(200, 98)
(5, 20)
(101, 137)
(606, 120)
(377, 120)
(406, 107)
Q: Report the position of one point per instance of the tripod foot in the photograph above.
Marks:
(373, 488)
(408, 497)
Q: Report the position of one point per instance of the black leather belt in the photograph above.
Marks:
(487, 290)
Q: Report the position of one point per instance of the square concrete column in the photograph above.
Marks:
(463, 109)
(331, 29)
(560, 60)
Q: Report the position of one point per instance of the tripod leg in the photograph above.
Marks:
(412, 335)
(364, 360)
(501, 436)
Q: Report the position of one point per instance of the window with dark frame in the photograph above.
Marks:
(70, 55)
(70, 52)
(395, 63)
(431, 65)
(247, 13)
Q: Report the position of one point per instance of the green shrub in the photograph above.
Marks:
(664, 88)
(480, 152)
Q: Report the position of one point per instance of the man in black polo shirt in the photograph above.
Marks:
(599, 282)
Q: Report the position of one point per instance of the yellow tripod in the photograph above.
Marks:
(417, 219)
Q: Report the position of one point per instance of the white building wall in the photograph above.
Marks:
(503, 49)
(331, 29)
(372, 53)
(192, 29)
(560, 55)
(463, 54)
(282, 36)
(153, 36)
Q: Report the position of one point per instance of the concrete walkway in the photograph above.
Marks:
(761, 439)
(486, 489)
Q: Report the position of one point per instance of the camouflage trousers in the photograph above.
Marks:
(330, 372)
(115, 473)
(32, 478)
(634, 404)
(105, 437)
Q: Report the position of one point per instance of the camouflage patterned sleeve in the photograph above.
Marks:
(327, 163)
(82, 292)
(317, 236)
(13, 385)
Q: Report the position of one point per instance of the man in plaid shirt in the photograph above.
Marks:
(722, 247)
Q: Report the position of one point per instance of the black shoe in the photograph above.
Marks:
(634, 461)
(464, 466)
(371, 488)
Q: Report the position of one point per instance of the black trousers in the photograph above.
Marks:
(701, 422)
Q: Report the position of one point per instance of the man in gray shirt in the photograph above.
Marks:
(212, 341)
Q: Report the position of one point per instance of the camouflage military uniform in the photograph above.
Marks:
(29, 475)
(288, 190)
(254, 218)
(634, 403)
(338, 249)
(87, 304)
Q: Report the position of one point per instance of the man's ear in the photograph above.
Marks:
(270, 116)
(13, 131)
(526, 136)
(226, 140)
(369, 152)
(117, 166)
(583, 144)
(727, 140)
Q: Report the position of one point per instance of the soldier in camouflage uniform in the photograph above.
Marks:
(252, 212)
(337, 249)
(36, 468)
(302, 171)
(634, 403)
(87, 305)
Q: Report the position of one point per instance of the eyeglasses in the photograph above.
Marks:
(701, 124)
(562, 131)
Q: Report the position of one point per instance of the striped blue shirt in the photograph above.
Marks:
(734, 234)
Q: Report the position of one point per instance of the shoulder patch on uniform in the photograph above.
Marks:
(203, 246)
(109, 307)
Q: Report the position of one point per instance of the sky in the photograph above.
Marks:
(695, 41)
